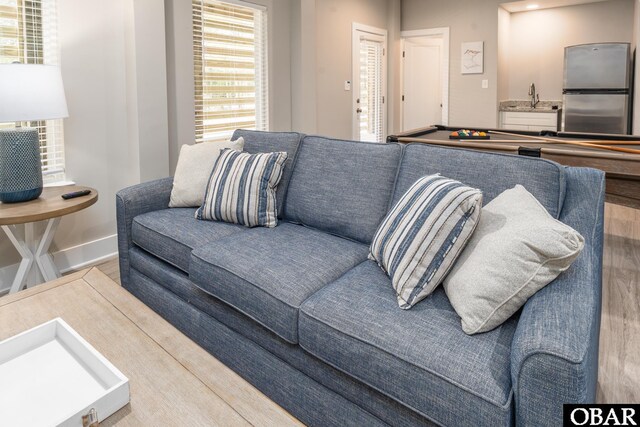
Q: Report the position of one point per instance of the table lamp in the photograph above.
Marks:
(28, 92)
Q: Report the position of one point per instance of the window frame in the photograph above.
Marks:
(261, 81)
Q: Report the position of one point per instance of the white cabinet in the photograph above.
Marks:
(524, 120)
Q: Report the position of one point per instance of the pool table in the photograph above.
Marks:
(622, 168)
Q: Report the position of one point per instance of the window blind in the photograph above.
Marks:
(28, 34)
(230, 68)
(371, 91)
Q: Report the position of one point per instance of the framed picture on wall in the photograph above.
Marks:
(472, 58)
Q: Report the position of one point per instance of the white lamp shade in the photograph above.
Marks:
(31, 92)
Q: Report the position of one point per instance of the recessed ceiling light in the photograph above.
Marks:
(532, 6)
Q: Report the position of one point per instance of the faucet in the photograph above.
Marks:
(535, 98)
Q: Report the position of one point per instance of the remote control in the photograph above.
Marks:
(75, 194)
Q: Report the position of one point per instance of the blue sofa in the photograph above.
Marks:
(299, 311)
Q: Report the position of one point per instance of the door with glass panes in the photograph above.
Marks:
(369, 84)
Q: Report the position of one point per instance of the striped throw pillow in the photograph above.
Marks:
(242, 189)
(421, 237)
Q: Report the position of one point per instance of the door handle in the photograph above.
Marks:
(359, 110)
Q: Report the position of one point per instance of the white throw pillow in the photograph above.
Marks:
(516, 250)
(195, 164)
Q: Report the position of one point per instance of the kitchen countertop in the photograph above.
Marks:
(524, 106)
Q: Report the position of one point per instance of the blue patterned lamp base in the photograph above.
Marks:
(20, 167)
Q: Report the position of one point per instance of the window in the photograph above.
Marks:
(230, 68)
(28, 34)
(370, 86)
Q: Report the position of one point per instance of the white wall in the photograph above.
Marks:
(113, 71)
(321, 33)
(151, 88)
(504, 31)
(636, 38)
(303, 66)
(113, 67)
(469, 20)
(180, 83)
(101, 150)
(334, 20)
(394, 81)
(537, 40)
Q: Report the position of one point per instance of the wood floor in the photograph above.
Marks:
(619, 375)
(111, 269)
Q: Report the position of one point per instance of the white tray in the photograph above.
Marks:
(50, 376)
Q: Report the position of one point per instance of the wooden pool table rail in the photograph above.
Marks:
(622, 170)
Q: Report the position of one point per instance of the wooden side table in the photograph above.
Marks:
(34, 248)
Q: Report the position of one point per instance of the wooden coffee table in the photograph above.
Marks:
(173, 381)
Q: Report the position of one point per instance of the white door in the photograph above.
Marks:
(422, 78)
(369, 84)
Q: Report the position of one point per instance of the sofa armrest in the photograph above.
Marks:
(131, 202)
(554, 353)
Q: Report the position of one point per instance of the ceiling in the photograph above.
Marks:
(521, 6)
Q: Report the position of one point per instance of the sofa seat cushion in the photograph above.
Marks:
(419, 357)
(171, 234)
(267, 273)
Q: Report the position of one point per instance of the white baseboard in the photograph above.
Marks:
(69, 259)
(78, 257)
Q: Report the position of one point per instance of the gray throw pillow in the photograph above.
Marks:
(516, 250)
(421, 237)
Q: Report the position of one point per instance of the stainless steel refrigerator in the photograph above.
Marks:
(597, 88)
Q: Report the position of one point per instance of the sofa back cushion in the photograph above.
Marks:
(267, 142)
(492, 173)
(342, 187)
